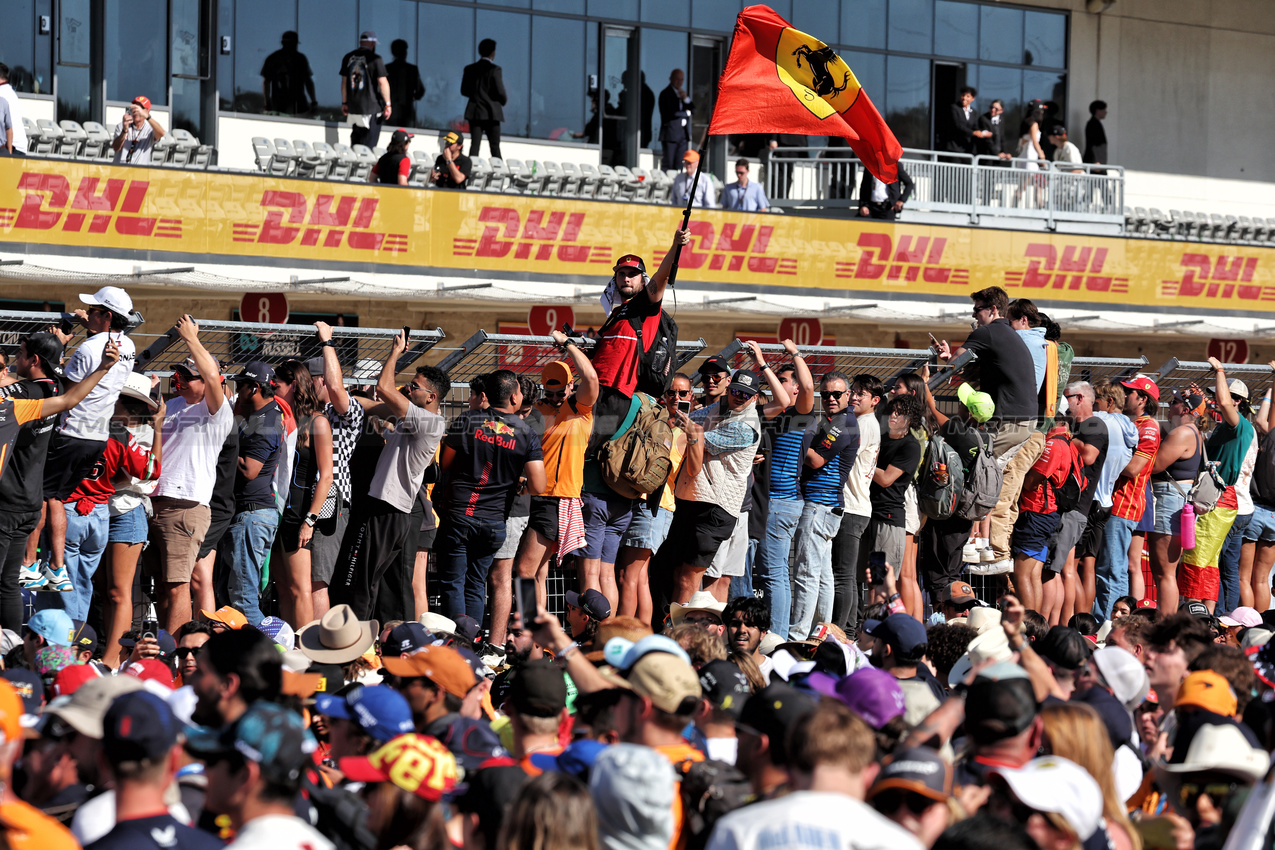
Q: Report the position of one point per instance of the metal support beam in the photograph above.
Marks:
(138, 271)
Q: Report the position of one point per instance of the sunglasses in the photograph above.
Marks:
(702, 620)
(677, 393)
(741, 395)
(1190, 792)
(981, 309)
(741, 173)
(889, 802)
(835, 395)
(182, 652)
(555, 393)
(718, 378)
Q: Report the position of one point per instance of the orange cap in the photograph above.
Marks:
(231, 618)
(557, 373)
(442, 665)
(690, 156)
(10, 713)
(1208, 690)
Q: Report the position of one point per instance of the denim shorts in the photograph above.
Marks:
(1262, 525)
(606, 518)
(1147, 523)
(1168, 506)
(131, 527)
(646, 531)
(1032, 534)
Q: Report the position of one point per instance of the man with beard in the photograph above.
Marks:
(747, 622)
(233, 670)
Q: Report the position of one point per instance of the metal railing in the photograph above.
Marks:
(1181, 373)
(957, 184)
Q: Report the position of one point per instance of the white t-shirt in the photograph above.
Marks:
(96, 817)
(91, 418)
(280, 832)
(15, 113)
(138, 143)
(192, 440)
(1243, 495)
(810, 820)
(407, 454)
(855, 493)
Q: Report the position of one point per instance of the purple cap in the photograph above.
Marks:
(874, 695)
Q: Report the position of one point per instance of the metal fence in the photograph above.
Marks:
(1181, 373)
(15, 324)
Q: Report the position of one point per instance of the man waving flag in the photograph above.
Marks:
(781, 80)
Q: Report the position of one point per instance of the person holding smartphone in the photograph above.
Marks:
(136, 134)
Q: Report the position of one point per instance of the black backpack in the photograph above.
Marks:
(1263, 486)
(710, 789)
(657, 364)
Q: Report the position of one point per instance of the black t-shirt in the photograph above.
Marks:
(362, 68)
(1092, 432)
(492, 447)
(22, 484)
(759, 488)
(162, 832)
(1006, 369)
(286, 73)
(223, 497)
(392, 166)
(522, 502)
(260, 438)
(964, 439)
(903, 453)
(445, 181)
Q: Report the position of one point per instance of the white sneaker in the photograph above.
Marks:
(970, 553)
(987, 555)
(58, 580)
(31, 576)
(991, 568)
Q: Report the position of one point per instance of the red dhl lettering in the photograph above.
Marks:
(543, 236)
(325, 226)
(482, 435)
(916, 258)
(1078, 268)
(96, 207)
(736, 248)
(1223, 277)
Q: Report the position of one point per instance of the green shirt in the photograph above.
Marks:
(1227, 446)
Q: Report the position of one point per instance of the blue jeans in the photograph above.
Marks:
(86, 538)
(464, 548)
(772, 560)
(743, 585)
(812, 570)
(1112, 569)
(251, 534)
(1229, 564)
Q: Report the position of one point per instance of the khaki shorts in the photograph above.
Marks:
(177, 531)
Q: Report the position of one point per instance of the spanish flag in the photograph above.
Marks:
(781, 80)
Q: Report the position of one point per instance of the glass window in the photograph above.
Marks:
(907, 100)
(73, 94)
(559, 78)
(74, 29)
(782, 7)
(956, 29)
(623, 10)
(1046, 40)
(259, 28)
(443, 107)
(329, 29)
(865, 27)
(17, 44)
(512, 33)
(716, 15)
(1006, 85)
(513, 4)
(1001, 34)
(189, 47)
(570, 7)
(390, 20)
(1050, 87)
(912, 25)
(675, 13)
(818, 18)
(662, 51)
(869, 70)
(136, 56)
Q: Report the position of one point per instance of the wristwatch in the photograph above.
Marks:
(311, 519)
(328, 343)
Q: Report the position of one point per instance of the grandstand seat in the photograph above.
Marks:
(639, 185)
(498, 180)
(1130, 223)
(570, 185)
(283, 150)
(301, 148)
(378, 153)
(518, 176)
(163, 150)
(1232, 228)
(479, 174)
(98, 144)
(661, 186)
(34, 139)
(1161, 226)
(262, 152)
(609, 185)
(74, 138)
(1177, 226)
(186, 148)
(1140, 218)
(590, 181)
(553, 177)
(1192, 225)
(312, 166)
(344, 162)
(422, 165)
(1270, 229)
(365, 160)
(50, 138)
(626, 185)
(1217, 226)
(1245, 232)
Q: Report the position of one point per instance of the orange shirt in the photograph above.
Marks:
(564, 444)
(29, 828)
(676, 754)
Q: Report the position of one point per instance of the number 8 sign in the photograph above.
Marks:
(267, 308)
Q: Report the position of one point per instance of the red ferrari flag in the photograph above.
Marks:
(781, 80)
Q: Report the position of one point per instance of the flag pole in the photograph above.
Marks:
(690, 201)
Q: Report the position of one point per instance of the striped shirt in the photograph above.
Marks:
(1130, 497)
(836, 440)
(790, 437)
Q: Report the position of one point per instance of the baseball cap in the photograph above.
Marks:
(772, 711)
(11, 711)
(316, 367)
(1208, 690)
(471, 741)
(442, 665)
(667, 681)
(1197, 609)
(630, 261)
(919, 770)
(725, 686)
(257, 372)
(873, 694)
(418, 764)
(401, 136)
(139, 726)
(999, 704)
(1123, 673)
(53, 625)
(30, 689)
(1144, 385)
(958, 592)
(1059, 130)
(270, 735)
(466, 627)
(112, 297)
(438, 623)
(591, 602)
(902, 632)
(83, 710)
(187, 369)
(745, 382)
(1064, 647)
(453, 137)
(379, 710)
(538, 689)
(406, 638)
(278, 630)
(1192, 397)
(713, 365)
(45, 346)
(367, 35)
(556, 373)
(143, 101)
(72, 677)
(1242, 616)
(1055, 784)
(231, 618)
(979, 404)
(690, 156)
(151, 670)
(577, 759)
(633, 788)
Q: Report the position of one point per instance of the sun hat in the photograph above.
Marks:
(338, 637)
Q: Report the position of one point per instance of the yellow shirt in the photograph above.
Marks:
(675, 455)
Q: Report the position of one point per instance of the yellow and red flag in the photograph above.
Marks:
(781, 80)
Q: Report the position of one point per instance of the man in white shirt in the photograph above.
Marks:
(1065, 151)
(10, 97)
(865, 393)
(196, 424)
(80, 442)
(705, 194)
(136, 134)
(831, 761)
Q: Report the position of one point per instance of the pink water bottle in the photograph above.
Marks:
(1188, 526)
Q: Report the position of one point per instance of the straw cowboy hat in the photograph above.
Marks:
(338, 637)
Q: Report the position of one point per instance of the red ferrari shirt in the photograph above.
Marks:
(99, 485)
(1054, 463)
(1130, 497)
(615, 358)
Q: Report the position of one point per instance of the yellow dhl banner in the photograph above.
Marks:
(212, 214)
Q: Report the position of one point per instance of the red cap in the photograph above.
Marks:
(1145, 385)
(630, 261)
(70, 678)
(1146, 603)
(152, 670)
(143, 101)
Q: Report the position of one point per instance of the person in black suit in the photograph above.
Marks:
(963, 128)
(884, 200)
(1096, 134)
(484, 85)
(992, 122)
(406, 86)
(675, 120)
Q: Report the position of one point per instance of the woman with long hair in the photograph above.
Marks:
(308, 489)
(1029, 136)
(1074, 731)
(552, 812)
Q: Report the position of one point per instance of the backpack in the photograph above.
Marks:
(657, 364)
(1263, 485)
(1067, 497)
(709, 789)
(356, 73)
(340, 814)
(942, 480)
(636, 462)
(982, 485)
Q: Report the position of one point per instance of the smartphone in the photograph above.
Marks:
(150, 629)
(934, 341)
(877, 568)
(407, 334)
(684, 407)
(526, 600)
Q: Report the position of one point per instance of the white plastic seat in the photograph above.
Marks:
(98, 144)
(50, 138)
(262, 152)
(499, 178)
(570, 185)
(344, 162)
(590, 180)
(553, 177)
(74, 138)
(363, 168)
(479, 174)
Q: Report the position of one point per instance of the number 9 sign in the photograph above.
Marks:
(543, 318)
(266, 308)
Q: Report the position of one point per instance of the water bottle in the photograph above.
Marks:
(940, 475)
(1188, 527)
